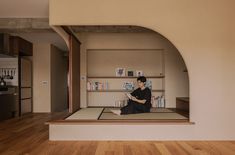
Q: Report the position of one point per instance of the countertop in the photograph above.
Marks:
(11, 90)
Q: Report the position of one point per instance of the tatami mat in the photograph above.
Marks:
(106, 114)
(141, 116)
(152, 110)
(86, 114)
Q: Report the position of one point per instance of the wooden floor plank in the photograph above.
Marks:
(29, 135)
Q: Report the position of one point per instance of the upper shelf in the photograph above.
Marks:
(118, 77)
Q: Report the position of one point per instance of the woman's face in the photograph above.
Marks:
(140, 84)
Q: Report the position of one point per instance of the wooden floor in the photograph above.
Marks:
(29, 135)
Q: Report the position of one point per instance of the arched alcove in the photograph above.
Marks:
(104, 38)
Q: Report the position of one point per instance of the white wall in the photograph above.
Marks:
(176, 81)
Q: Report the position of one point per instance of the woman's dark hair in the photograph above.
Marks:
(141, 78)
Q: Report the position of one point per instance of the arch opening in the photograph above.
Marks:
(99, 46)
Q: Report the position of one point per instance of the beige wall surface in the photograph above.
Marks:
(49, 79)
(135, 45)
(203, 32)
(41, 78)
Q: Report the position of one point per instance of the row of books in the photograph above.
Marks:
(97, 86)
(105, 85)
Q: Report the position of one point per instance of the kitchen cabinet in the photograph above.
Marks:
(20, 46)
(8, 106)
(4, 44)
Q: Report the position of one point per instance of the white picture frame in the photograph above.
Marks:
(120, 72)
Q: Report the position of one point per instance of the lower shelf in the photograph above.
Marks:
(120, 90)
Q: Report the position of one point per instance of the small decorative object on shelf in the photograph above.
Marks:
(160, 101)
(120, 72)
(139, 73)
(153, 102)
(130, 73)
(128, 85)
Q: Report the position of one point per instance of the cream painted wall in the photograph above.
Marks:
(203, 32)
(49, 79)
(41, 78)
(176, 81)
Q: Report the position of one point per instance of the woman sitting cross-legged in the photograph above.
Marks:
(140, 100)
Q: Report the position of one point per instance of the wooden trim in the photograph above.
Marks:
(26, 98)
(120, 122)
(126, 49)
(74, 75)
(25, 87)
(70, 76)
(120, 77)
(69, 31)
(19, 84)
(120, 90)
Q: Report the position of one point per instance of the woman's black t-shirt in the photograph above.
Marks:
(143, 95)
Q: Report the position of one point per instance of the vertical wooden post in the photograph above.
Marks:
(74, 74)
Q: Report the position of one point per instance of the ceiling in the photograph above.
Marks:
(39, 9)
(40, 38)
(24, 8)
(110, 29)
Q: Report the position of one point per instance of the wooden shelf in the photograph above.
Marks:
(120, 90)
(120, 77)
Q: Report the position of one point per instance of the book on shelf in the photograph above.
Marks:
(97, 85)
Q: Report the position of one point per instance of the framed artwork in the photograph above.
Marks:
(130, 73)
(120, 72)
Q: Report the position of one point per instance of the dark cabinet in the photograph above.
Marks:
(4, 44)
(182, 103)
(20, 46)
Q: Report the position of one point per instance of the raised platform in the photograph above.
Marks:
(101, 124)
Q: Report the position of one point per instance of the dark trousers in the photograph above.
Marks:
(133, 108)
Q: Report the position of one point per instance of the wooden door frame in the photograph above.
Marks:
(71, 94)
